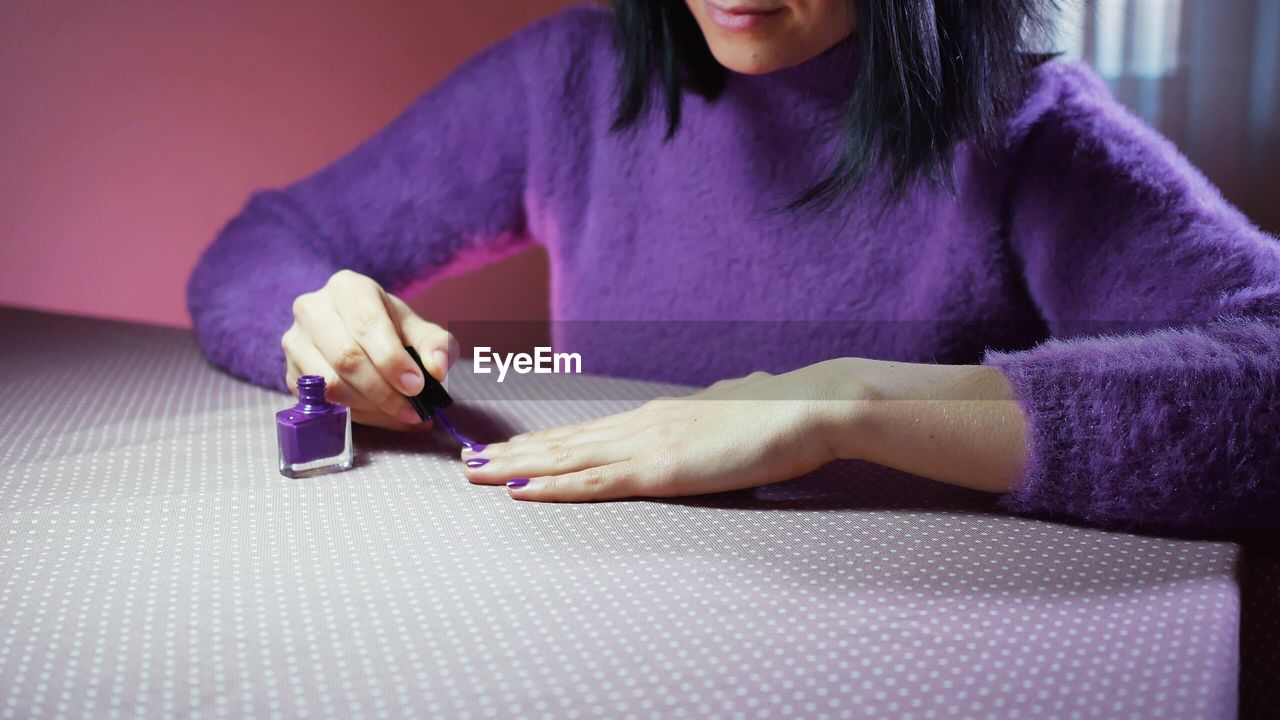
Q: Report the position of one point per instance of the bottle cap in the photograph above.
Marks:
(433, 395)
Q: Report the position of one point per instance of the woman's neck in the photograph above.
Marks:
(826, 79)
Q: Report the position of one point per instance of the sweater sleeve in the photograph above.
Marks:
(439, 189)
(1155, 404)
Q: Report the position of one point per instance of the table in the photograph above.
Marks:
(154, 563)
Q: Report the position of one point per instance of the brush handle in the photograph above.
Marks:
(433, 396)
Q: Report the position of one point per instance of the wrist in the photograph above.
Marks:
(959, 424)
(842, 405)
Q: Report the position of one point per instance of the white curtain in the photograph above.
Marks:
(1206, 73)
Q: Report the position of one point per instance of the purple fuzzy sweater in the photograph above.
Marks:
(1135, 312)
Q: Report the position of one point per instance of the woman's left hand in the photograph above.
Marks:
(735, 434)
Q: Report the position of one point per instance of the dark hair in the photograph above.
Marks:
(932, 73)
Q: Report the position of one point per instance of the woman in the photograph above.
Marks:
(987, 273)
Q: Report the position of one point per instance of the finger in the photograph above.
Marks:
(567, 432)
(307, 360)
(553, 459)
(354, 368)
(336, 392)
(437, 348)
(607, 482)
(291, 342)
(377, 418)
(291, 375)
(620, 433)
(368, 320)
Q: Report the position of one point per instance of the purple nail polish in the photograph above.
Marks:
(477, 462)
(315, 434)
(517, 483)
(448, 425)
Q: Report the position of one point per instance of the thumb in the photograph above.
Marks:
(437, 348)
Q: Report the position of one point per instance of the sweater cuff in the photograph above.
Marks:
(1166, 430)
(1090, 432)
(1044, 486)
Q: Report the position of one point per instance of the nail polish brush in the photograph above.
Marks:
(431, 402)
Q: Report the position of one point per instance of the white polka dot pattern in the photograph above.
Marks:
(153, 563)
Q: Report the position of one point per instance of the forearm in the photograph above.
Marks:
(241, 291)
(957, 424)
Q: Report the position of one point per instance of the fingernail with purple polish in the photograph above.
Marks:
(477, 462)
(476, 447)
(517, 483)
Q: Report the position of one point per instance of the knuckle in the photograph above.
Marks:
(594, 480)
(559, 453)
(342, 277)
(367, 323)
(352, 280)
(302, 305)
(289, 341)
(349, 359)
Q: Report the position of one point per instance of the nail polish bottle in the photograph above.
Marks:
(315, 434)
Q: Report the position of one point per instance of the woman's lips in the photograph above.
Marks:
(739, 18)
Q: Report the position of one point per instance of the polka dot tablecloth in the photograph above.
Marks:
(153, 563)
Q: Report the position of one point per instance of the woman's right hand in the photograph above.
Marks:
(353, 333)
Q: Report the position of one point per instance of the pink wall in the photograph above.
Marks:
(131, 131)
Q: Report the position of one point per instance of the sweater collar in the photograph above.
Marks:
(825, 80)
